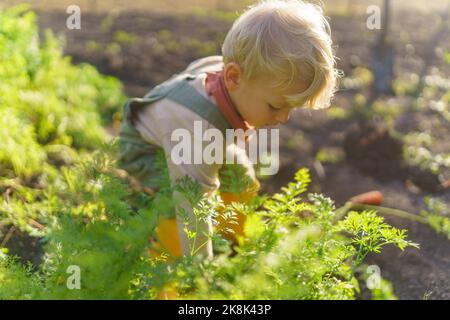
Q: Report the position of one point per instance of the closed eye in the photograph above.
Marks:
(272, 107)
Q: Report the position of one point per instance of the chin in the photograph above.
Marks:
(256, 126)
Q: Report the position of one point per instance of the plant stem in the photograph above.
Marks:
(199, 247)
(391, 212)
(342, 211)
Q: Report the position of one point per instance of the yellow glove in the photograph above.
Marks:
(238, 227)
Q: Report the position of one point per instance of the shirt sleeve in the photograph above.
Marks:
(238, 176)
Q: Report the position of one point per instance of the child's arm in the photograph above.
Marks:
(206, 176)
(238, 183)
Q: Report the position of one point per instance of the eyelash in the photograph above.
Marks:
(272, 107)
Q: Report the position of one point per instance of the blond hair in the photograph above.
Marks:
(288, 41)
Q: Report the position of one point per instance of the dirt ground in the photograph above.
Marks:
(153, 56)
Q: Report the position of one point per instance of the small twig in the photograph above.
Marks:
(7, 192)
(134, 183)
(8, 236)
(10, 190)
(36, 224)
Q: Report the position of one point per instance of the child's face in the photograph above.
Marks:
(258, 103)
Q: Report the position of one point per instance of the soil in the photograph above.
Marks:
(372, 157)
(27, 248)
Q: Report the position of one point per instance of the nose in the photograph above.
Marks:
(283, 116)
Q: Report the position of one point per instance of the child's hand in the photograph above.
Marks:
(238, 225)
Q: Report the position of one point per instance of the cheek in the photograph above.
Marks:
(263, 115)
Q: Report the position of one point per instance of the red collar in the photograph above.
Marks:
(215, 86)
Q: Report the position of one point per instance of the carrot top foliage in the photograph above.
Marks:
(292, 249)
(46, 102)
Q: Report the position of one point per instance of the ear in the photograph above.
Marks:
(232, 74)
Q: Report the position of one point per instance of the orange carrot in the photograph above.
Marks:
(372, 197)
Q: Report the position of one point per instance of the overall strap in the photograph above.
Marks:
(179, 90)
(186, 95)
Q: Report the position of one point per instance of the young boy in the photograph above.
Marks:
(277, 56)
